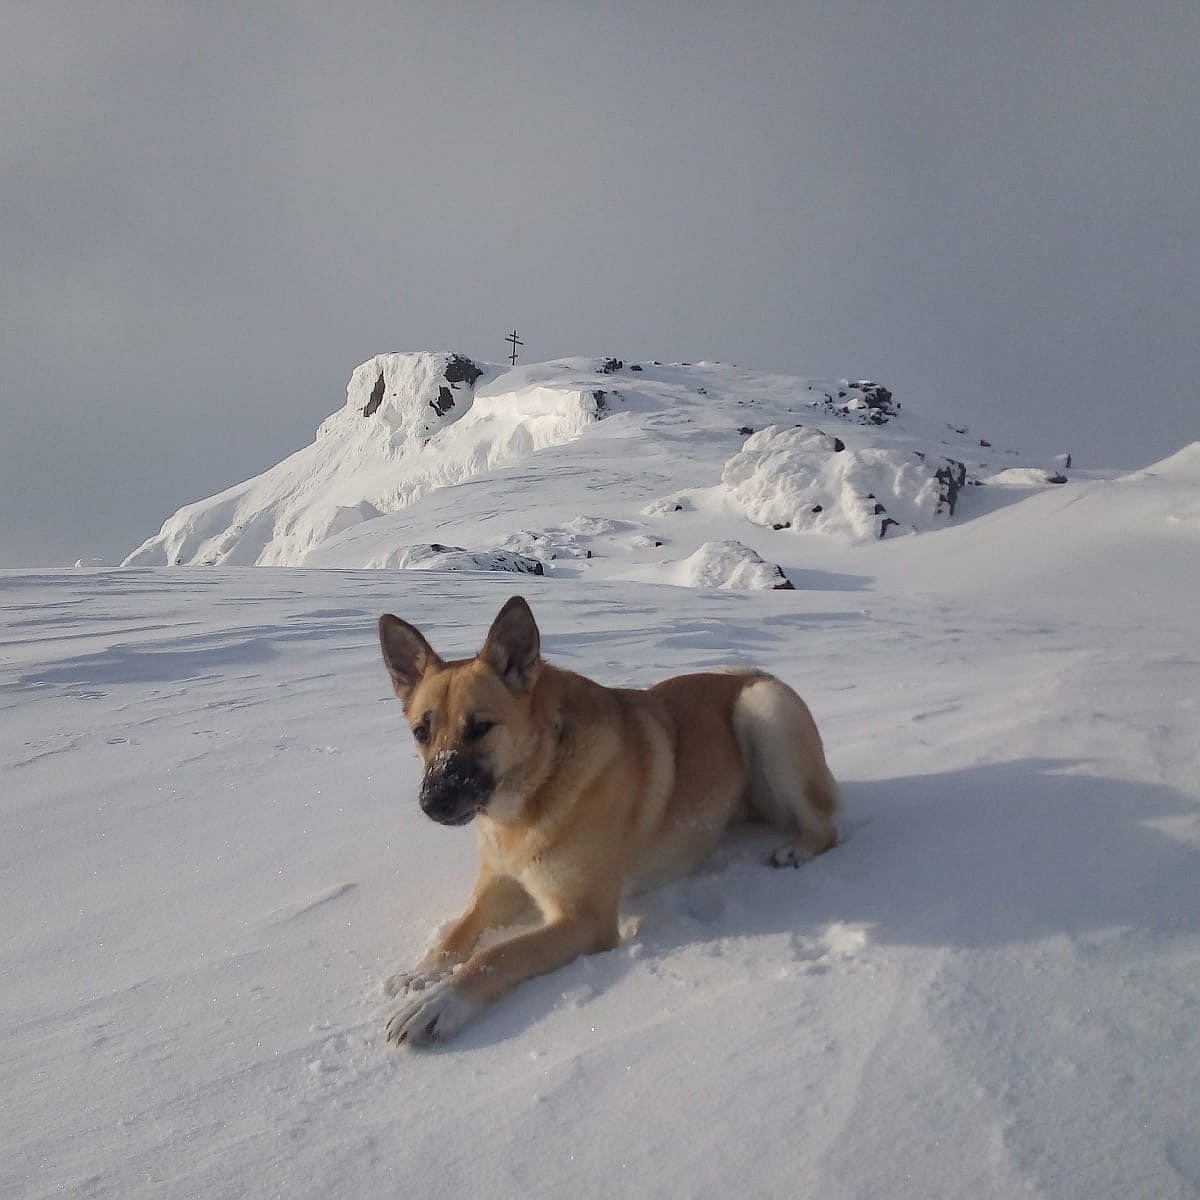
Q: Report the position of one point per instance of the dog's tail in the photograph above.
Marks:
(790, 783)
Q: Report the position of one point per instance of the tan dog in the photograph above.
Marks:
(581, 792)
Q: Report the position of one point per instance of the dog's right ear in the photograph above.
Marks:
(405, 652)
(514, 647)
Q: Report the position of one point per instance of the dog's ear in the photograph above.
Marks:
(406, 652)
(514, 647)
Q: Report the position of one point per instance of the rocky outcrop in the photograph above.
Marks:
(862, 401)
(415, 393)
(435, 557)
(460, 369)
(803, 479)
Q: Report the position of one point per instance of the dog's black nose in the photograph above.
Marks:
(448, 809)
(454, 789)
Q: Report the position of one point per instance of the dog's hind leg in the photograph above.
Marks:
(790, 783)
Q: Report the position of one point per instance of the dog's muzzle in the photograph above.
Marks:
(454, 789)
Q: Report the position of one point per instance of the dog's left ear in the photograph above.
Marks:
(406, 652)
(514, 647)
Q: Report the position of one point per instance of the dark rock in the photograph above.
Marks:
(609, 365)
(461, 370)
(838, 445)
(493, 560)
(599, 395)
(951, 477)
(886, 524)
(376, 398)
(875, 394)
(985, 443)
(444, 402)
(782, 525)
(873, 405)
(818, 508)
(745, 431)
(879, 509)
(1057, 477)
(636, 367)
(503, 560)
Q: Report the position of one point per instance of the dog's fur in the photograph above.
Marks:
(580, 792)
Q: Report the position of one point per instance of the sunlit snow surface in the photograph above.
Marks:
(211, 856)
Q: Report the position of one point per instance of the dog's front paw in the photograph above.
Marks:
(431, 1016)
(416, 980)
(787, 856)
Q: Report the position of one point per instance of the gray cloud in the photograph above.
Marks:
(212, 213)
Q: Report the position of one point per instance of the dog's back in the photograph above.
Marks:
(744, 745)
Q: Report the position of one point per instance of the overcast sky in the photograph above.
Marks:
(212, 212)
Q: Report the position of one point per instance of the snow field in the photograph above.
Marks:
(212, 857)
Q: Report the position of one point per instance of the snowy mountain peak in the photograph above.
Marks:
(590, 465)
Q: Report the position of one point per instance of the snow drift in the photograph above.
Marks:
(729, 564)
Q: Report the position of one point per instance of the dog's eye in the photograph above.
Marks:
(477, 729)
(421, 732)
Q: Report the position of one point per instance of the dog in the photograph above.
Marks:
(581, 793)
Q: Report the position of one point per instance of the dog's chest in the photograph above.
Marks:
(542, 869)
(505, 850)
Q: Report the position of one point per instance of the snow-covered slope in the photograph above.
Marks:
(1139, 533)
(211, 855)
(432, 449)
(411, 423)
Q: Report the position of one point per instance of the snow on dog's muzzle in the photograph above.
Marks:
(454, 789)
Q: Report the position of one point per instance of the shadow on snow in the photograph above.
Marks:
(991, 856)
